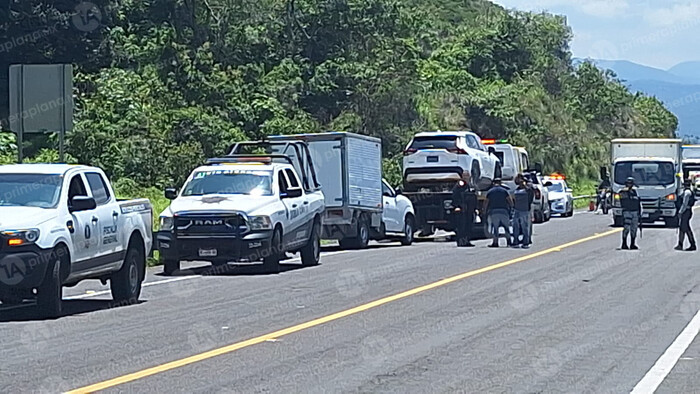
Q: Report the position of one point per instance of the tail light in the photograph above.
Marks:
(538, 194)
(458, 151)
(409, 151)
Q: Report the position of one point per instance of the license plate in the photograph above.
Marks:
(433, 159)
(208, 252)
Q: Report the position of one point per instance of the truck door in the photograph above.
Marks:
(300, 207)
(390, 214)
(107, 229)
(84, 234)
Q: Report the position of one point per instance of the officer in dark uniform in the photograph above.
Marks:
(631, 213)
(464, 201)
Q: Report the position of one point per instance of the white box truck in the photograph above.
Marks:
(656, 166)
(349, 169)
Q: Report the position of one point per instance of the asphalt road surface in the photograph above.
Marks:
(572, 314)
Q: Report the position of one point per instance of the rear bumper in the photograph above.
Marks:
(251, 247)
(23, 268)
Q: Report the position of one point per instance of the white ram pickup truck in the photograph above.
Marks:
(245, 208)
(61, 224)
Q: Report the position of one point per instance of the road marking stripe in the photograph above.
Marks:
(91, 293)
(658, 373)
(322, 320)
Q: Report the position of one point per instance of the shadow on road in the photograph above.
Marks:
(28, 311)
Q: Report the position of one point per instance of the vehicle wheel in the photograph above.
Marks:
(605, 208)
(539, 217)
(126, 283)
(671, 222)
(617, 221)
(408, 229)
(271, 263)
(311, 252)
(476, 175)
(362, 239)
(548, 215)
(170, 267)
(49, 297)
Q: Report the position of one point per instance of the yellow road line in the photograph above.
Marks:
(316, 322)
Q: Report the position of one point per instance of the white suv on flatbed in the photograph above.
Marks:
(61, 224)
(242, 209)
(440, 157)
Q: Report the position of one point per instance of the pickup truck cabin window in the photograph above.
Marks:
(76, 188)
(30, 190)
(100, 191)
(291, 176)
(282, 182)
(386, 190)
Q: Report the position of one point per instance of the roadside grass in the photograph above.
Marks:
(584, 187)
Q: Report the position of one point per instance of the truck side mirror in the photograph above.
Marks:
(547, 184)
(82, 203)
(492, 150)
(292, 193)
(171, 193)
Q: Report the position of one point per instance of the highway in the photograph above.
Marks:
(572, 314)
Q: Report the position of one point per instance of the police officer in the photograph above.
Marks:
(464, 201)
(631, 213)
(685, 213)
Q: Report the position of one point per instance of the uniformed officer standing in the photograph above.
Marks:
(685, 213)
(631, 213)
(464, 201)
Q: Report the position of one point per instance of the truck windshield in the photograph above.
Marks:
(434, 142)
(255, 183)
(30, 190)
(556, 187)
(645, 173)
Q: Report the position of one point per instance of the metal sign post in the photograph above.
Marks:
(41, 100)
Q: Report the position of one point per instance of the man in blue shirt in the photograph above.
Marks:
(498, 205)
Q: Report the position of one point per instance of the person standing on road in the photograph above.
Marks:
(498, 205)
(464, 201)
(685, 213)
(522, 222)
(631, 213)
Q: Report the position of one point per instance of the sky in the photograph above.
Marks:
(657, 33)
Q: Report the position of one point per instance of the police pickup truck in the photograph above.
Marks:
(246, 207)
(61, 224)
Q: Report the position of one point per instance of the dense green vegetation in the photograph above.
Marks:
(162, 84)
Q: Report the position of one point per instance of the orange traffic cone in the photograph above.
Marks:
(591, 206)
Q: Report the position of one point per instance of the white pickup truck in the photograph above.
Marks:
(61, 224)
(245, 208)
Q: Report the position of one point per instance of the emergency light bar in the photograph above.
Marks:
(492, 141)
(557, 177)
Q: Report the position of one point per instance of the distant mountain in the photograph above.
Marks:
(678, 88)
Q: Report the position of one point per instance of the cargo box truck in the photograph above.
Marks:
(656, 166)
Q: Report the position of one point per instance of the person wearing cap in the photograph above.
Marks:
(465, 201)
(631, 213)
(522, 222)
(498, 205)
(685, 213)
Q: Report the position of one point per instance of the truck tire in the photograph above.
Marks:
(170, 267)
(539, 216)
(126, 283)
(671, 222)
(271, 263)
(408, 229)
(311, 252)
(361, 241)
(49, 297)
(617, 221)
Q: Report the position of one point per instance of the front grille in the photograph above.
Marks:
(229, 225)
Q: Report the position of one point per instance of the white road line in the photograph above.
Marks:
(656, 375)
(166, 281)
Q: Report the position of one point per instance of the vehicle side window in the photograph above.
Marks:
(386, 190)
(525, 162)
(293, 181)
(100, 191)
(76, 188)
(472, 142)
(282, 182)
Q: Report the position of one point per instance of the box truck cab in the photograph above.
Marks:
(655, 165)
(691, 164)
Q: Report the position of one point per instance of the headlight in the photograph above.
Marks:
(671, 197)
(260, 223)
(616, 196)
(21, 237)
(166, 223)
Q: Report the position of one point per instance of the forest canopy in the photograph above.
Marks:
(163, 84)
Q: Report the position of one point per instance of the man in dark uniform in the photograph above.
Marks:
(685, 213)
(631, 213)
(464, 201)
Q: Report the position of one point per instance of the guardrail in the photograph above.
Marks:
(583, 197)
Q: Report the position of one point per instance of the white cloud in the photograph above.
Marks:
(604, 8)
(673, 15)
